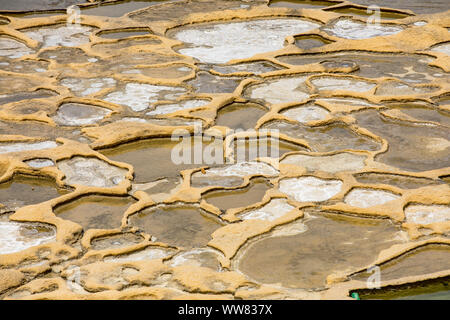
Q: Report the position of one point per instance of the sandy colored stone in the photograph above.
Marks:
(10, 278)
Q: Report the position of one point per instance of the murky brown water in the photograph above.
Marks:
(310, 42)
(151, 159)
(111, 34)
(416, 6)
(240, 116)
(296, 4)
(364, 13)
(406, 141)
(306, 259)
(24, 5)
(327, 138)
(116, 241)
(409, 68)
(427, 114)
(427, 290)
(118, 9)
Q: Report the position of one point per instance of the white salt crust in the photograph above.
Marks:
(305, 189)
(24, 146)
(13, 240)
(219, 43)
